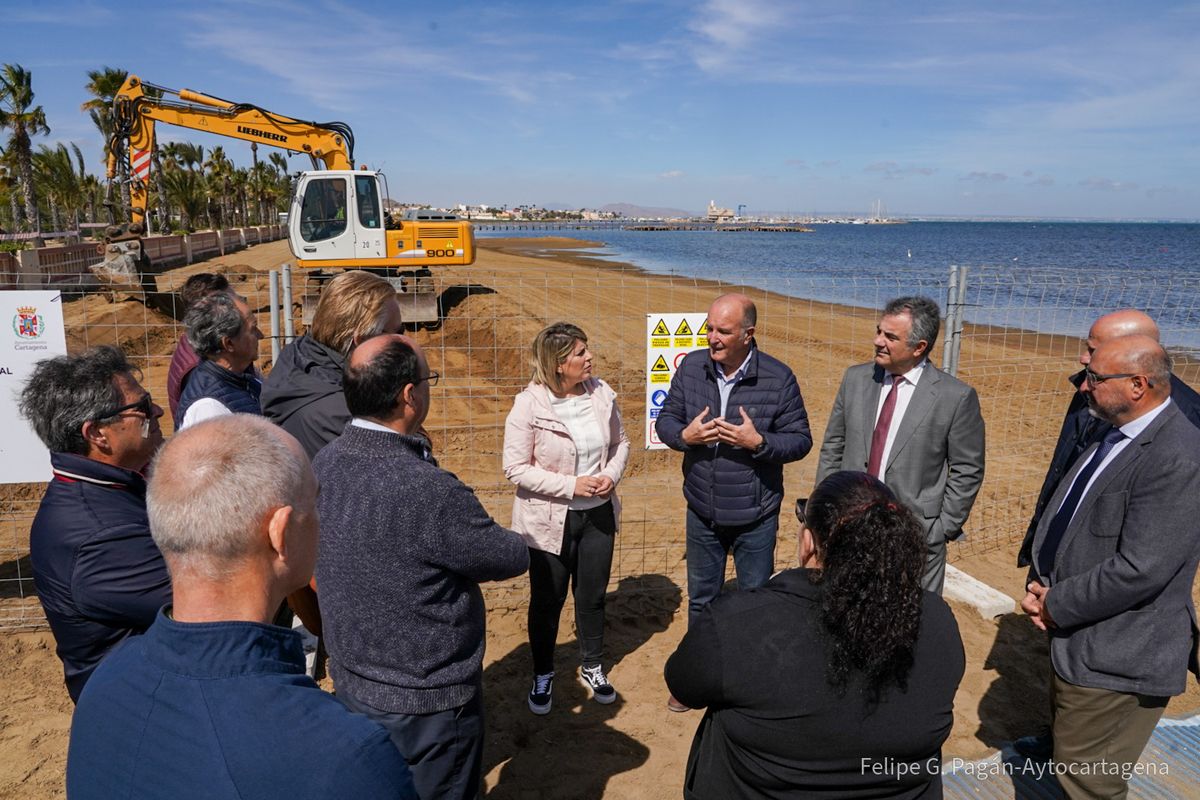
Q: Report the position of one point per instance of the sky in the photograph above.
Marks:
(982, 109)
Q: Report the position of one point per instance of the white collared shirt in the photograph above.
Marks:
(1131, 431)
(905, 390)
(359, 422)
(725, 385)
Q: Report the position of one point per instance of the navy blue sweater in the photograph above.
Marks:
(99, 575)
(239, 392)
(730, 485)
(222, 710)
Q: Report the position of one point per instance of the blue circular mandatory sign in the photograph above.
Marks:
(658, 398)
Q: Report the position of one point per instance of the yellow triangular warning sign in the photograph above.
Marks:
(660, 365)
(703, 329)
(661, 329)
(684, 329)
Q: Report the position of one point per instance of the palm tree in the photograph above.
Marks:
(185, 188)
(220, 170)
(103, 85)
(62, 185)
(240, 184)
(9, 186)
(18, 114)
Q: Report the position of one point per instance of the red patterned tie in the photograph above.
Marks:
(879, 437)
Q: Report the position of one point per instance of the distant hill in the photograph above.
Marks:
(630, 210)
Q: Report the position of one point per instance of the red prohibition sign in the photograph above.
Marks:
(679, 358)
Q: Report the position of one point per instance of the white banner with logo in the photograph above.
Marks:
(669, 337)
(31, 328)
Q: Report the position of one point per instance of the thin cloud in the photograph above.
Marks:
(1107, 185)
(892, 171)
(797, 163)
(670, 174)
(985, 177)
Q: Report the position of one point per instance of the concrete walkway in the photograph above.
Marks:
(1169, 770)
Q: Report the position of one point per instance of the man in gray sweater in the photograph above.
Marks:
(403, 547)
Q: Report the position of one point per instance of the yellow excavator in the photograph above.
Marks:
(336, 219)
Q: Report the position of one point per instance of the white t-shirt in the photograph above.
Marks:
(578, 414)
(202, 409)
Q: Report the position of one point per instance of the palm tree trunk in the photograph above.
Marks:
(31, 210)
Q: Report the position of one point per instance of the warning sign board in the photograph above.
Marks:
(669, 337)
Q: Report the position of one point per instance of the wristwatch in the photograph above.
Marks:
(761, 446)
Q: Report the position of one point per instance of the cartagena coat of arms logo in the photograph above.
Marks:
(28, 324)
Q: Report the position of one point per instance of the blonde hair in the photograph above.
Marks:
(551, 347)
(351, 307)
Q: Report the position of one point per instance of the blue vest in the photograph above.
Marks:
(238, 393)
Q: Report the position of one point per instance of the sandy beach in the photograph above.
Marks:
(635, 747)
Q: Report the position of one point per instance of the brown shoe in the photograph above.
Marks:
(675, 705)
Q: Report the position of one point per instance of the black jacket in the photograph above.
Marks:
(773, 728)
(303, 394)
(1080, 430)
(730, 485)
(98, 573)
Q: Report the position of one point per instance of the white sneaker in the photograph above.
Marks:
(597, 684)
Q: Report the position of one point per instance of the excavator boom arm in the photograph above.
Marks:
(138, 106)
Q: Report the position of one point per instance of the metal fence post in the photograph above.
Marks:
(951, 295)
(289, 328)
(273, 293)
(958, 319)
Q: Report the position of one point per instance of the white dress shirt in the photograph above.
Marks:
(1131, 430)
(905, 390)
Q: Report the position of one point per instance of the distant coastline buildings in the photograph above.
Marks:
(717, 214)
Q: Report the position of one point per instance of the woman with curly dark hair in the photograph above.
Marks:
(835, 679)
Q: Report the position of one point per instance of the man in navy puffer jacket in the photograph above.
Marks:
(737, 415)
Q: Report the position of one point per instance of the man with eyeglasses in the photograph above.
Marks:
(1082, 428)
(1113, 562)
(404, 546)
(99, 575)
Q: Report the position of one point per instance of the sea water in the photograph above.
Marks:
(1046, 276)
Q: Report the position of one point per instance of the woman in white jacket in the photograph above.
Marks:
(565, 449)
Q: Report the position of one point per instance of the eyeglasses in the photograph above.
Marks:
(432, 377)
(800, 505)
(1094, 378)
(144, 406)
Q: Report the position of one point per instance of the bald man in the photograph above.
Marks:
(1081, 428)
(404, 547)
(1113, 562)
(212, 701)
(738, 416)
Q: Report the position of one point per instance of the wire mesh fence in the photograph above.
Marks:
(1018, 346)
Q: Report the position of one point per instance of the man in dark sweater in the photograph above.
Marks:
(404, 545)
(212, 702)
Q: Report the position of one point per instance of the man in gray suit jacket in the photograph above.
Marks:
(1113, 567)
(916, 428)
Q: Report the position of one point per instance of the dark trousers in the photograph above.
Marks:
(584, 561)
(444, 750)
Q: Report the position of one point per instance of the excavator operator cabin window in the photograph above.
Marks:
(323, 211)
(366, 189)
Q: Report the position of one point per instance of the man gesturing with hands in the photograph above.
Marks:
(737, 415)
